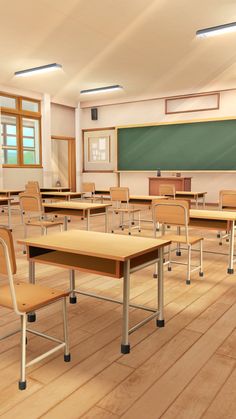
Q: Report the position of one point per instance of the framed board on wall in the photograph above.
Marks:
(99, 150)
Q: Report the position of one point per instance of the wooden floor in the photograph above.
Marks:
(186, 370)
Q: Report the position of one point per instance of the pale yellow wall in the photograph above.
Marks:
(62, 120)
(153, 111)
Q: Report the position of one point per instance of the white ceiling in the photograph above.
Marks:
(147, 46)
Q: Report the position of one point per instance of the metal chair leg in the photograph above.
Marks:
(169, 258)
(22, 382)
(188, 280)
(67, 356)
(201, 258)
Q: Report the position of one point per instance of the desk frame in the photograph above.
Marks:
(83, 213)
(222, 223)
(111, 267)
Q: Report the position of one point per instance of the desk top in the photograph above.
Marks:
(11, 191)
(55, 188)
(213, 215)
(72, 205)
(58, 194)
(170, 177)
(2, 200)
(190, 193)
(102, 245)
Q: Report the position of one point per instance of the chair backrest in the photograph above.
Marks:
(88, 187)
(119, 194)
(171, 212)
(6, 237)
(168, 190)
(32, 187)
(30, 202)
(228, 199)
(8, 264)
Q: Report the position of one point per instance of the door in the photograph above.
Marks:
(63, 161)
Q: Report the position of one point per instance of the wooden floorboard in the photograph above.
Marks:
(185, 370)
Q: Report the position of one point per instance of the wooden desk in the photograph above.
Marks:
(67, 196)
(192, 195)
(81, 209)
(180, 183)
(105, 254)
(7, 202)
(10, 192)
(217, 220)
(55, 189)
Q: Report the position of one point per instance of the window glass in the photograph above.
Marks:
(29, 157)
(28, 105)
(9, 156)
(8, 102)
(30, 141)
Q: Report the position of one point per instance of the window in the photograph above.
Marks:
(20, 131)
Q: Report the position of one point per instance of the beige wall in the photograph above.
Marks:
(17, 178)
(62, 120)
(153, 111)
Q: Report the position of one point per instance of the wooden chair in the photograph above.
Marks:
(32, 187)
(24, 298)
(120, 199)
(227, 201)
(88, 191)
(167, 190)
(32, 213)
(176, 212)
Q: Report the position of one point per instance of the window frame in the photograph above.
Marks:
(20, 114)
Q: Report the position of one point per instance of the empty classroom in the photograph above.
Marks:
(118, 209)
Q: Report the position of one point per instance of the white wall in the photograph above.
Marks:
(153, 111)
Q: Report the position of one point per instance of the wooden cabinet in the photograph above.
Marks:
(181, 183)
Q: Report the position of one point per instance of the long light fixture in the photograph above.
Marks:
(101, 89)
(216, 30)
(42, 69)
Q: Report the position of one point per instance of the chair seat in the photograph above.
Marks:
(43, 223)
(181, 239)
(30, 297)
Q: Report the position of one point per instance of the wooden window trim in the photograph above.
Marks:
(19, 113)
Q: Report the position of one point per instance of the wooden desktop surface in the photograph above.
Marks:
(97, 244)
(61, 194)
(72, 205)
(213, 215)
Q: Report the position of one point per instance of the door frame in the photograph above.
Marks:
(71, 159)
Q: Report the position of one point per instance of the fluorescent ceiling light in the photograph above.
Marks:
(101, 89)
(216, 30)
(42, 69)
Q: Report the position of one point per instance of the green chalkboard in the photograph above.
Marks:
(207, 145)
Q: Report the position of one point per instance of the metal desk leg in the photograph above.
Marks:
(106, 220)
(88, 219)
(125, 347)
(230, 269)
(73, 298)
(65, 222)
(9, 214)
(203, 201)
(160, 321)
(32, 315)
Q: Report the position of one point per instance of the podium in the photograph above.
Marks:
(180, 183)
